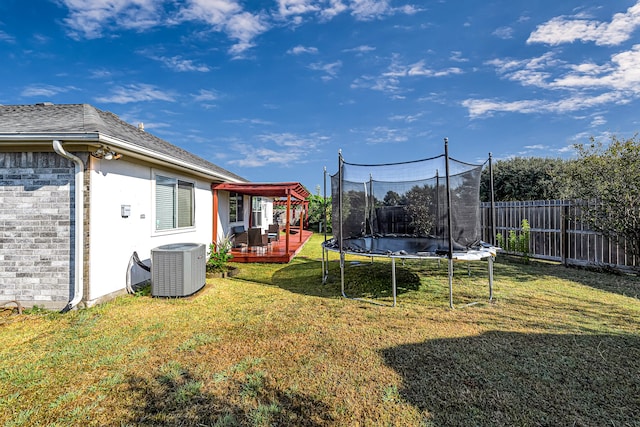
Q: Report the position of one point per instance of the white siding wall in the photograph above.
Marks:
(113, 239)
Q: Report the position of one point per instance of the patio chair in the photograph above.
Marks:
(257, 239)
(274, 233)
(240, 236)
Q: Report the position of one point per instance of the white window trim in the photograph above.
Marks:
(176, 230)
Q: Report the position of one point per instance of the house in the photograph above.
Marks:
(82, 191)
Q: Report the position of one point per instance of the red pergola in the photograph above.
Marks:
(289, 193)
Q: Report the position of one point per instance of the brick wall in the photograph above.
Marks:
(37, 229)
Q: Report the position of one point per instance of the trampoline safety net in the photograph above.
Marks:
(403, 207)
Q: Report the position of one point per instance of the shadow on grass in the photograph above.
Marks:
(603, 279)
(362, 279)
(505, 379)
(179, 399)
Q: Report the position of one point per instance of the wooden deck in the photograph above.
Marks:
(275, 252)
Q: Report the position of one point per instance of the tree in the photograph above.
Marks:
(524, 178)
(608, 178)
(420, 208)
(318, 208)
(393, 199)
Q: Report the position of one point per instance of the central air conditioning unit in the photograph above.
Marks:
(178, 269)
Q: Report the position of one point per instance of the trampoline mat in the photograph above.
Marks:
(400, 245)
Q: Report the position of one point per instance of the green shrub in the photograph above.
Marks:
(219, 255)
(517, 241)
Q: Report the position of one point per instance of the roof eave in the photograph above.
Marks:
(118, 145)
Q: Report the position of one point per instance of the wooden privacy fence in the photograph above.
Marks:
(556, 233)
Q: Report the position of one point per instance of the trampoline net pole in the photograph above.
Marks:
(340, 236)
(492, 209)
(325, 254)
(449, 222)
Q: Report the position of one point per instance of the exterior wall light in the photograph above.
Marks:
(106, 153)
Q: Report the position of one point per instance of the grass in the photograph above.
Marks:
(273, 346)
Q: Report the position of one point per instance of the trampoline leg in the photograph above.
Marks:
(393, 280)
(342, 274)
(450, 271)
(324, 273)
(490, 278)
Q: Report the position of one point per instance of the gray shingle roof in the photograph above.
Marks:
(84, 118)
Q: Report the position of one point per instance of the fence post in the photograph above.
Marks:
(564, 236)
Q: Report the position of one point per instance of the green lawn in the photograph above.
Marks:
(273, 346)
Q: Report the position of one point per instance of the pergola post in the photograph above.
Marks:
(286, 245)
(214, 237)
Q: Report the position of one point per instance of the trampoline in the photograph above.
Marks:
(421, 209)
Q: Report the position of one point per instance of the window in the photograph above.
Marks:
(174, 203)
(235, 207)
(256, 211)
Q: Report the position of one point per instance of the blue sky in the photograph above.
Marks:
(272, 89)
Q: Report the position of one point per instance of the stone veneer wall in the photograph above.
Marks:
(36, 229)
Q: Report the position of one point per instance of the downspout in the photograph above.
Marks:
(79, 218)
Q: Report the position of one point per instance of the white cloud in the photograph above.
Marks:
(226, 16)
(288, 140)
(296, 7)
(179, 64)
(385, 84)
(487, 107)
(456, 56)
(100, 74)
(88, 18)
(366, 10)
(250, 121)
(390, 81)
(4, 37)
(567, 149)
(587, 84)
(261, 156)
(410, 118)
(503, 32)
(91, 18)
(598, 120)
(361, 10)
(369, 9)
(536, 147)
(244, 27)
(205, 96)
(336, 7)
(330, 69)
(383, 135)
(567, 29)
(418, 69)
(299, 50)
(136, 93)
(360, 49)
(45, 90)
(280, 149)
(622, 73)
(528, 72)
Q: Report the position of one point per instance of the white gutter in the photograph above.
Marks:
(79, 217)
